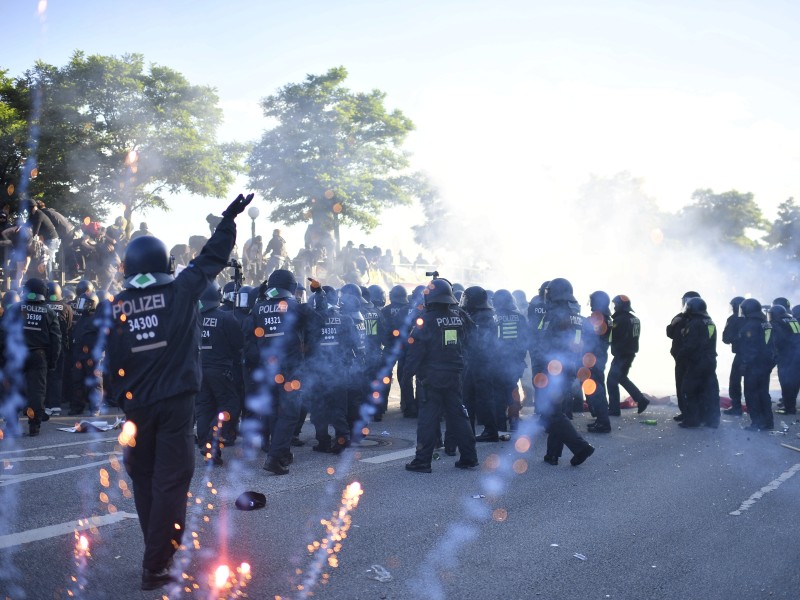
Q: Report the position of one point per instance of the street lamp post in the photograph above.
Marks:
(253, 213)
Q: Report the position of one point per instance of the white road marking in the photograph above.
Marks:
(770, 487)
(43, 533)
(390, 456)
(38, 448)
(22, 458)
(9, 479)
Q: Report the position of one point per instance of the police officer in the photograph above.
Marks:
(625, 330)
(481, 368)
(42, 335)
(512, 345)
(331, 363)
(55, 377)
(221, 342)
(757, 351)
(377, 295)
(86, 384)
(351, 305)
(786, 331)
(698, 348)
(229, 291)
(436, 357)
(283, 330)
(730, 336)
(537, 309)
(561, 353)
(153, 357)
(596, 347)
(674, 333)
(376, 334)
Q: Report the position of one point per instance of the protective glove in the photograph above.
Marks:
(237, 206)
(315, 286)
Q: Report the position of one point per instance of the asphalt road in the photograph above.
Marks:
(657, 512)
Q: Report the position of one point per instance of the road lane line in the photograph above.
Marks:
(37, 448)
(9, 479)
(51, 531)
(390, 456)
(770, 487)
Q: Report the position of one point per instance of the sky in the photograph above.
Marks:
(516, 104)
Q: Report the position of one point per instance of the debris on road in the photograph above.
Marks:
(378, 573)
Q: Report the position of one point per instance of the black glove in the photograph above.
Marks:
(237, 206)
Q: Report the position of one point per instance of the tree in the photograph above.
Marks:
(725, 217)
(110, 131)
(784, 235)
(331, 152)
(432, 234)
(14, 103)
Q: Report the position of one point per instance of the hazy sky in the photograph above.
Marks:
(514, 101)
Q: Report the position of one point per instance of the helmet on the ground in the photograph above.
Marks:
(376, 295)
(398, 295)
(623, 304)
(281, 284)
(474, 297)
(695, 306)
(210, 298)
(599, 301)
(35, 290)
(503, 300)
(146, 263)
(559, 290)
(53, 291)
(750, 308)
(439, 291)
(784, 302)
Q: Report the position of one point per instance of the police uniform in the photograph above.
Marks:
(221, 342)
(55, 377)
(398, 324)
(730, 336)
(512, 344)
(153, 356)
(84, 372)
(700, 388)
(436, 357)
(42, 334)
(480, 373)
(375, 329)
(674, 333)
(596, 346)
(562, 352)
(625, 330)
(786, 331)
(537, 309)
(756, 347)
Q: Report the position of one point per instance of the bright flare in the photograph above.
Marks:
(221, 576)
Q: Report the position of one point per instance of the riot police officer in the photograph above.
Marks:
(537, 309)
(42, 335)
(436, 357)
(625, 330)
(86, 387)
(480, 374)
(153, 357)
(221, 342)
(512, 345)
(596, 350)
(698, 348)
(674, 333)
(561, 353)
(786, 331)
(283, 329)
(757, 350)
(55, 377)
(375, 327)
(730, 336)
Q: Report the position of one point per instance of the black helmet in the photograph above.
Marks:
(229, 291)
(281, 284)
(736, 302)
(796, 311)
(776, 312)
(474, 297)
(543, 289)
(377, 296)
(781, 301)
(210, 297)
(623, 304)
(84, 286)
(245, 297)
(351, 289)
(9, 298)
(750, 308)
(350, 305)
(504, 300)
(146, 263)
(398, 295)
(457, 287)
(688, 295)
(695, 306)
(365, 293)
(439, 291)
(35, 289)
(599, 301)
(559, 290)
(86, 303)
(53, 291)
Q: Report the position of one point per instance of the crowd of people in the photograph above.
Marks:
(198, 367)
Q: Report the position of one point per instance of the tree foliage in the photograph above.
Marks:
(784, 235)
(109, 130)
(725, 217)
(331, 146)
